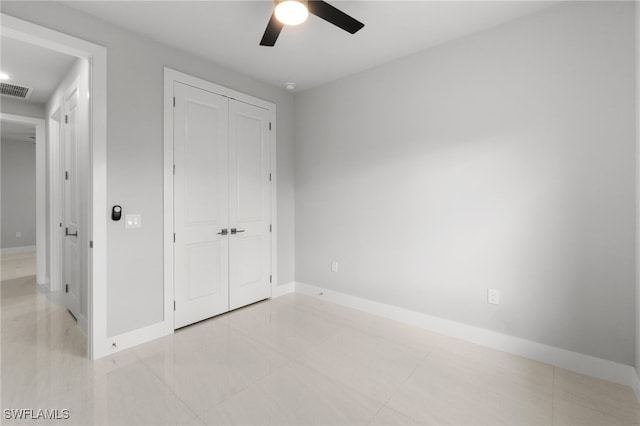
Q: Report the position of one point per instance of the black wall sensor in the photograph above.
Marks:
(116, 213)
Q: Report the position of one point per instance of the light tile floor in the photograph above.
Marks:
(17, 265)
(295, 360)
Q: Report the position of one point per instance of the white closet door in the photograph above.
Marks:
(249, 209)
(201, 209)
(71, 194)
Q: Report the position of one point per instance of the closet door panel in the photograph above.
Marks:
(249, 204)
(201, 209)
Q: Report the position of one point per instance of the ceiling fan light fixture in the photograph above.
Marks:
(291, 12)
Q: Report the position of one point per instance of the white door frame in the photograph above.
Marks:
(41, 226)
(55, 195)
(97, 342)
(170, 76)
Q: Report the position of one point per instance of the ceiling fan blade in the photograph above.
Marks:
(335, 16)
(272, 32)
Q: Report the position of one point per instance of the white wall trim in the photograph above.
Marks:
(41, 203)
(274, 202)
(134, 338)
(97, 56)
(41, 191)
(580, 363)
(171, 76)
(636, 383)
(281, 290)
(169, 294)
(55, 198)
(17, 250)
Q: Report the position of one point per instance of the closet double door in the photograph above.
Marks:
(222, 212)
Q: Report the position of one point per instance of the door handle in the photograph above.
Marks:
(223, 232)
(69, 234)
(235, 231)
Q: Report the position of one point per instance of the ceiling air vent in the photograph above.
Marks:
(15, 91)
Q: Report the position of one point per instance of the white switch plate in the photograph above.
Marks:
(334, 266)
(19, 234)
(132, 221)
(493, 296)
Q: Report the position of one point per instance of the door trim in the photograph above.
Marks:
(171, 76)
(54, 127)
(97, 342)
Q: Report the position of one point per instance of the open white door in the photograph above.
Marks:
(250, 206)
(201, 210)
(71, 195)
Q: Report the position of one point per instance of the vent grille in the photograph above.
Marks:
(15, 91)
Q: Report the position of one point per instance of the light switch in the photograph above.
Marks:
(132, 221)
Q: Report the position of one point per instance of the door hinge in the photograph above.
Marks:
(174, 169)
(174, 237)
(269, 125)
(270, 228)
(90, 244)
(66, 119)
(270, 278)
(269, 177)
(66, 175)
(66, 288)
(174, 305)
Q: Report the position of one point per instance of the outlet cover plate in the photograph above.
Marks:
(493, 296)
(132, 221)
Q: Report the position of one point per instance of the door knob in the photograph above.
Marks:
(223, 232)
(69, 234)
(236, 231)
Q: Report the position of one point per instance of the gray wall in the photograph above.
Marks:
(504, 159)
(134, 155)
(18, 107)
(638, 203)
(18, 176)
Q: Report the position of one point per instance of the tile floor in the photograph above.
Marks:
(295, 360)
(17, 265)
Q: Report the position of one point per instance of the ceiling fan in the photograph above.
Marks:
(294, 12)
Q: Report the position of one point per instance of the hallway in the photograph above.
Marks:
(42, 348)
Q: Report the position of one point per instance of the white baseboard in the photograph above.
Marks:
(16, 250)
(580, 363)
(281, 290)
(111, 345)
(636, 383)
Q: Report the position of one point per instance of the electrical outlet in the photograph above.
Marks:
(334, 266)
(18, 234)
(493, 296)
(132, 221)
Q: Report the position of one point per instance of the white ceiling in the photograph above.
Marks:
(228, 32)
(33, 66)
(17, 131)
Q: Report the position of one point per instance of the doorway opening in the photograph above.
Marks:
(75, 148)
(20, 156)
